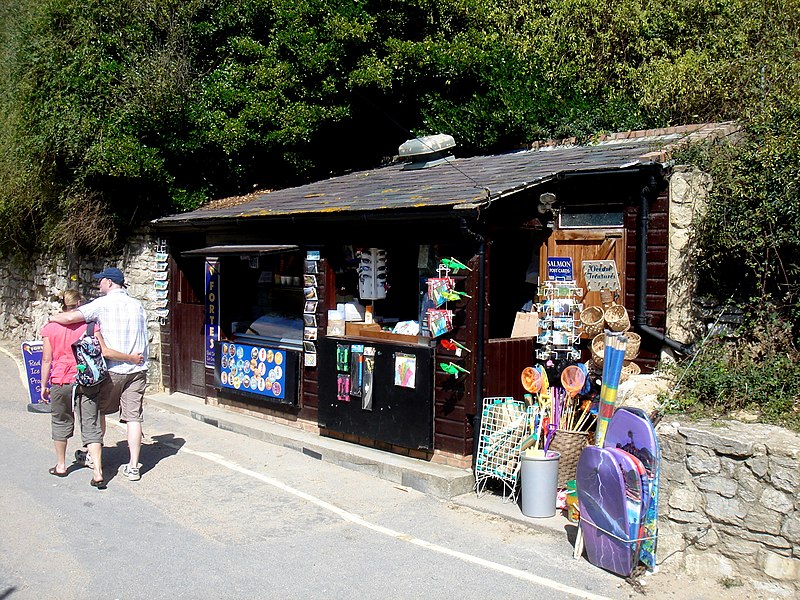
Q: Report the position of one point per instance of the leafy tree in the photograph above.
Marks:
(116, 112)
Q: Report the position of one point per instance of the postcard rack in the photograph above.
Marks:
(559, 310)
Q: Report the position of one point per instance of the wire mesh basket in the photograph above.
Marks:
(504, 423)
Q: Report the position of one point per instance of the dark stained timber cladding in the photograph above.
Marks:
(456, 445)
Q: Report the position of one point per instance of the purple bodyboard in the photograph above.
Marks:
(630, 429)
(605, 510)
(635, 481)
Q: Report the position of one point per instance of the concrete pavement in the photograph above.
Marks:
(448, 483)
(440, 481)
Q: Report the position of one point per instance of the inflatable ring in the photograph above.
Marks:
(531, 380)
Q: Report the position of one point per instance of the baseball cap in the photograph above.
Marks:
(111, 273)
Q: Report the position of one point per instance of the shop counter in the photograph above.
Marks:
(381, 389)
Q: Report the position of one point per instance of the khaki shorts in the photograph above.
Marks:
(124, 393)
(63, 418)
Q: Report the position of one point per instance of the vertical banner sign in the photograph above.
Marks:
(559, 268)
(212, 309)
(32, 357)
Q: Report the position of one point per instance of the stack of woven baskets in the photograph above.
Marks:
(595, 320)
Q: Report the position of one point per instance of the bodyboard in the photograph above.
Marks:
(635, 478)
(631, 430)
(604, 510)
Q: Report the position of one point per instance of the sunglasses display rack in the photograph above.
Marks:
(559, 310)
(372, 274)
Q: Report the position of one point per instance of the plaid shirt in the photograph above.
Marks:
(124, 325)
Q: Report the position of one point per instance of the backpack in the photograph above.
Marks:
(92, 367)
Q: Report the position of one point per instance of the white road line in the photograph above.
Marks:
(355, 519)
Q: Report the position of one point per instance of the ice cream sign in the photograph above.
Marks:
(600, 274)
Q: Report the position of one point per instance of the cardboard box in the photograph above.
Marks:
(356, 328)
(373, 331)
(526, 325)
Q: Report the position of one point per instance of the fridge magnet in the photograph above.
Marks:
(405, 370)
(312, 266)
(310, 307)
(310, 280)
(310, 293)
(309, 319)
(309, 347)
(310, 359)
(310, 333)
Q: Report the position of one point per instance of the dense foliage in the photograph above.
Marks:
(115, 112)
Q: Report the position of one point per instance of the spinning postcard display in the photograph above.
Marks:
(559, 322)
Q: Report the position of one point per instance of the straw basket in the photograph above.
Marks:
(569, 444)
(598, 347)
(592, 320)
(628, 369)
(617, 318)
(632, 348)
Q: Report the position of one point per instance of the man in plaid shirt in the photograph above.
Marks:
(124, 324)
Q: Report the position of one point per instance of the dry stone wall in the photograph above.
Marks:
(29, 291)
(729, 505)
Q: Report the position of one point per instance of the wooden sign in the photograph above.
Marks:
(600, 274)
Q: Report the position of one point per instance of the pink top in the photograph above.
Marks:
(63, 369)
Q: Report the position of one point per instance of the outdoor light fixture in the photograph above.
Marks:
(546, 202)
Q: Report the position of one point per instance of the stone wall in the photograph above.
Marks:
(688, 190)
(729, 504)
(29, 291)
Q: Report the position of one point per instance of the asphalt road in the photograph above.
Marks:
(219, 515)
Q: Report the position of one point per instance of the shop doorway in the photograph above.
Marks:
(187, 345)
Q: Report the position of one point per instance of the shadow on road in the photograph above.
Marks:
(162, 446)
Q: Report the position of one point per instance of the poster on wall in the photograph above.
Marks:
(212, 309)
(255, 369)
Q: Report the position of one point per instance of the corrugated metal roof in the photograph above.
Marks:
(460, 183)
